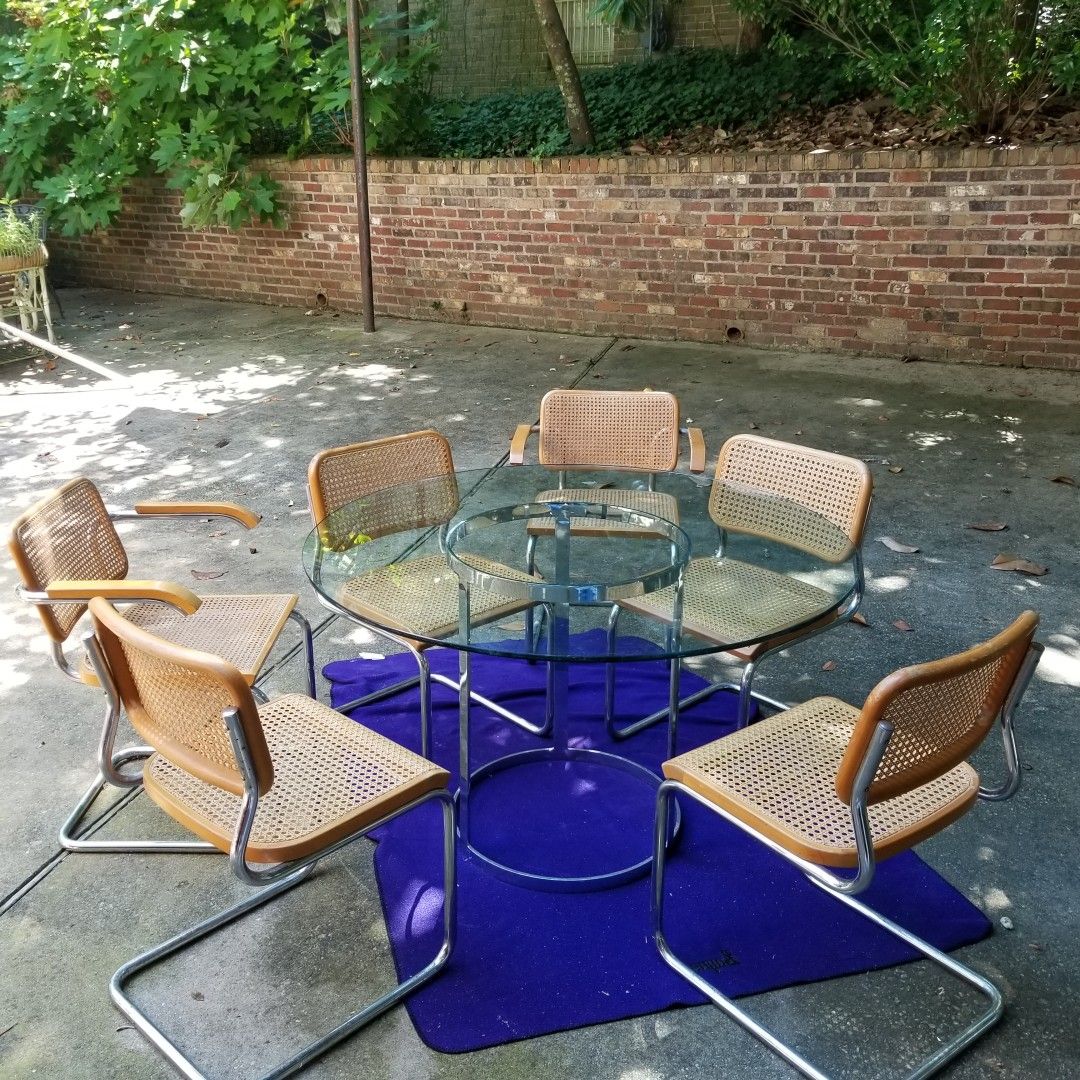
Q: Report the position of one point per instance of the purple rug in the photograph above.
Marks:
(530, 963)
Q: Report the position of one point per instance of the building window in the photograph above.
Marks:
(591, 41)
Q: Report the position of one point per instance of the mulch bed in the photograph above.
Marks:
(875, 123)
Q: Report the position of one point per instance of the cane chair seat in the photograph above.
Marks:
(332, 777)
(241, 629)
(420, 596)
(725, 600)
(653, 503)
(779, 777)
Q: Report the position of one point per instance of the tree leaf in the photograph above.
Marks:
(896, 545)
(207, 575)
(896, 468)
(829, 665)
(860, 618)
(901, 624)
(1006, 560)
(987, 526)
(1063, 479)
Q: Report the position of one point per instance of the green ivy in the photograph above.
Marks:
(94, 92)
(632, 101)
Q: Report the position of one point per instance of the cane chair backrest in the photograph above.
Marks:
(67, 536)
(939, 712)
(383, 475)
(175, 698)
(626, 430)
(810, 499)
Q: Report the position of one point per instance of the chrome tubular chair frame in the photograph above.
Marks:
(271, 883)
(845, 889)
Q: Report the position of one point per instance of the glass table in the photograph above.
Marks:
(561, 568)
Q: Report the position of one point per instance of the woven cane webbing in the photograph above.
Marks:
(778, 775)
(179, 708)
(384, 474)
(812, 500)
(939, 722)
(68, 536)
(240, 629)
(728, 602)
(332, 776)
(420, 596)
(653, 503)
(635, 431)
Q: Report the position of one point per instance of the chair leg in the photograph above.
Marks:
(343, 1030)
(927, 1067)
(309, 649)
(425, 678)
(71, 841)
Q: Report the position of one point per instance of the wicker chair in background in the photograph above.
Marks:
(67, 550)
(809, 499)
(416, 596)
(286, 782)
(825, 784)
(625, 431)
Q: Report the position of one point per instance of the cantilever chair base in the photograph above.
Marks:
(930, 1065)
(71, 841)
(264, 894)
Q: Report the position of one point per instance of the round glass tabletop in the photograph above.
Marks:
(400, 559)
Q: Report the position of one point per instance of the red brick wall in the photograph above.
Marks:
(969, 255)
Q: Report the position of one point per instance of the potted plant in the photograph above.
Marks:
(20, 238)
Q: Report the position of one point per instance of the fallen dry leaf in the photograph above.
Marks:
(895, 545)
(900, 624)
(1008, 561)
(1067, 480)
(753, 426)
(207, 575)
(829, 665)
(896, 468)
(860, 618)
(987, 526)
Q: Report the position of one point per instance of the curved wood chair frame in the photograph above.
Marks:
(901, 777)
(219, 761)
(826, 498)
(373, 470)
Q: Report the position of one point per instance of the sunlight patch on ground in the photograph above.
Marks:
(1060, 663)
(887, 583)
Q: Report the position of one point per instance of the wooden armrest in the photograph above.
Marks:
(166, 592)
(517, 443)
(697, 449)
(248, 518)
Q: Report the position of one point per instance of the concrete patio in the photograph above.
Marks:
(230, 401)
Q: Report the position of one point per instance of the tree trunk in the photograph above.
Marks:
(566, 73)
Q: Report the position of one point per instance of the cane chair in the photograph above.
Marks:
(285, 782)
(626, 431)
(811, 500)
(825, 784)
(417, 596)
(67, 550)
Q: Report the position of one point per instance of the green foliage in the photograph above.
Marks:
(97, 91)
(20, 234)
(632, 101)
(628, 14)
(983, 63)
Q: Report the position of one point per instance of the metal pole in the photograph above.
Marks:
(363, 214)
